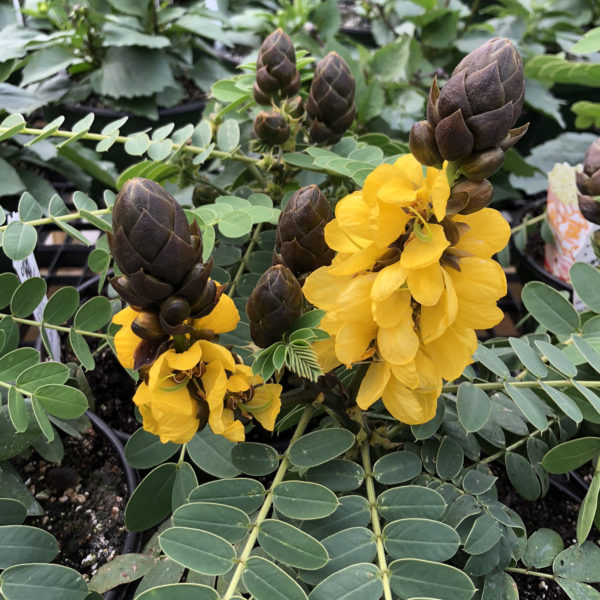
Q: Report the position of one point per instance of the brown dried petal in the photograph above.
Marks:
(122, 287)
(125, 255)
(490, 127)
(479, 165)
(583, 183)
(195, 281)
(147, 326)
(479, 193)
(148, 236)
(149, 287)
(484, 89)
(591, 162)
(454, 96)
(423, 146)
(174, 261)
(433, 115)
(589, 208)
(513, 136)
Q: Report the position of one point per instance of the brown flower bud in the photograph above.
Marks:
(588, 184)
(479, 165)
(480, 102)
(276, 73)
(475, 195)
(147, 326)
(271, 128)
(274, 304)
(330, 105)
(300, 240)
(159, 254)
(423, 146)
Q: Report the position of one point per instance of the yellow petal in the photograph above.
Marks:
(325, 350)
(125, 340)
(398, 190)
(341, 241)
(391, 223)
(160, 371)
(214, 381)
(142, 395)
(353, 216)
(266, 404)
(426, 284)
(389, 312)
(489, 233)
(232, 430)
(412, 407)
(479, 279)
(406, 374)
(437, 318)
(398, 344)
(453, 351)
(418, 254)
(322, 287)
(437, 181)
(388, 280)
(354, 301)
(359, 261)
(352, 341)
(410, 168)
(238, 383)
(183, 361)
(373, 384)
(212, 352)
(224, 317)
(377, 178)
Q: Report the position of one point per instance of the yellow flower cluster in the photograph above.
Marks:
(408, 287)
(181, 390)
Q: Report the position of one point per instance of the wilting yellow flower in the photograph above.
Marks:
(181, 391)
(408, 287)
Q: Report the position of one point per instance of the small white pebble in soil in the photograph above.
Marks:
(42, 495)
(63, 499)
(90, 559)
(115, 512)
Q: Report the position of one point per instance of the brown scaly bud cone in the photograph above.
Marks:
(276, 73)
(160, 257)
(271, 128)
(330, 105)
(588, 184)
(274, 304)
(474, 111)
(300, 240)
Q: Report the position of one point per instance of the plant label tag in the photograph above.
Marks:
(26, 269)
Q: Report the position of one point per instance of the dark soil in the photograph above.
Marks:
(84, 500)
(113, 390)
(554, 511)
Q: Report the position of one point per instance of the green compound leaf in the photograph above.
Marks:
(353, 511)
(185, 482)
(578, 591)
(474, 407)
(397, 467)
(254, 459)
(291, 546)
(235, 223)
(198, 550)
(19, 240)
(93, 315)
(543, 547)
(528, 356)
(357, 582)
(412, 578)
(17, 410)
(411, 501)
(212, 453)
(9, 282)
(230, 523)
(450, 458)
(581, 563)
(585, 280)
(121, 569)
(339, 475)
(522, 475)
(242, 493)
(304, 500)
(228, 135)
(150, 502)
(588, 509)
(24, 582)
(420, 538)
(27, 297)
(12, 512)
(61, 306)
(179, 591)
(62, 401)
(571, 455)
(23, 544)
(345, 548)
(266, 581)
(41, 374)
(549, 308)
(320, 446)
(144, 450)
(483, 536)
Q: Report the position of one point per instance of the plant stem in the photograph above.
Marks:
(372, 498)
(453, 388)
(266, 507)
(121, 139)
(526, 572)
(527, 222)
(56, 327)
(242, 266)
(70, 217)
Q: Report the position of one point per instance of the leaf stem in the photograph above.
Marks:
(491, 386)
(242, 266)
(527, 572)
(527, 222)
(372, 499)
(70, 217)
(32, 323)
(266, 507)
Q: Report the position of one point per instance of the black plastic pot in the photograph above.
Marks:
(527, 267)
(133, 540)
